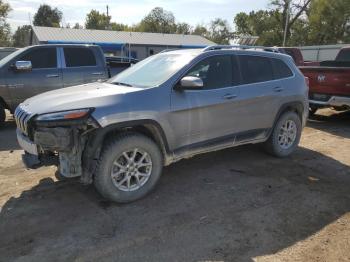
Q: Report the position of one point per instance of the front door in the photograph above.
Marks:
(208, 113)
(44, 76)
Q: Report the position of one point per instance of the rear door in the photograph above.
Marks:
(44, 76)
(81, 66)
(261, 93)
(209, 113)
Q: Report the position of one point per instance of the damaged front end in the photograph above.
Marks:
(60, 136)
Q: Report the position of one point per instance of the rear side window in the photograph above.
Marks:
(344, 55)
(41, 58)
(280, 69)
(77, 57)
(255, 69)
(215, 72)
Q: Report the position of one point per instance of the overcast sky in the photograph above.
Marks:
(132, 11)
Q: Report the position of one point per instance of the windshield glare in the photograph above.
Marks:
(153, 71)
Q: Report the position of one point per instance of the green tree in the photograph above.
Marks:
(288, 12)
(5, 31)
(158, 21)
(47, 16)
(200, 30)
(21, 37)
(183, 28)
(329, 22)
(261, 23)
(77, 26)
(219, 31)
(270, 25)
(97, 20)
(120, 27)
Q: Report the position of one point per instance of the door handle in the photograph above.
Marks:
(97, 73)
(52, 76)
(278, 89)
(229, 96)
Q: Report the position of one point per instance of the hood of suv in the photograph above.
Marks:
(76, 97)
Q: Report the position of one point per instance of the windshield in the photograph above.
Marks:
(8, 58)
(152, 71)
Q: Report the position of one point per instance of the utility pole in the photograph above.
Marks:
(287, 23)
(107, 10)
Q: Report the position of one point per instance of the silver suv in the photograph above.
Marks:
(119, 134)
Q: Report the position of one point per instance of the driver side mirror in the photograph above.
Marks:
(23, 66)
(190, 82)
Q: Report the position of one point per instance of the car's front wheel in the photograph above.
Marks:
(129, 168)
(285, 136)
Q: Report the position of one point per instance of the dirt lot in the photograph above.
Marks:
(235, 205)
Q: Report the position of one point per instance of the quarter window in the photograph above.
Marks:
(41, 58)
(78, 57)
(215, 72)
(255, 69)
(280, 69)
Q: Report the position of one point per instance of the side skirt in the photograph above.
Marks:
(248, 137)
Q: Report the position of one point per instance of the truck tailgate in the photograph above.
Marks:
(328, 80)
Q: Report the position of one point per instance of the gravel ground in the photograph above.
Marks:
(233, 205)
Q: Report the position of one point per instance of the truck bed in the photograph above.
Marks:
(328, 80)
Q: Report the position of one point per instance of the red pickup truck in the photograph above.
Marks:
(330, 82)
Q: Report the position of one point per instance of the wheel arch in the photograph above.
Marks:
(295, 106)
(147, 127)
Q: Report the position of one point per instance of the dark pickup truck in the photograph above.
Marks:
(330, 82)
(36, 69)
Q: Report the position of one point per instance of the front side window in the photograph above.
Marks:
(153, 71)
(255, 69)
(215, 72)
(78, 57)
(41, 58)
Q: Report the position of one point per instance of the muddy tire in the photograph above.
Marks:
(130, 166)
(285, 136)
(2, 115)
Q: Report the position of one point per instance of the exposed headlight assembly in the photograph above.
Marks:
(65, 115)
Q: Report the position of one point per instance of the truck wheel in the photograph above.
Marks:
(285, 136)
(2, 115)
(129, 167)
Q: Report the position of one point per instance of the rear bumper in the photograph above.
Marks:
(336, 101)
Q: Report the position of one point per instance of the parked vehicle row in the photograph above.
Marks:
(37, 69)
(330, 82)
(119, 134)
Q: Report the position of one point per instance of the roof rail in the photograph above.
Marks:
(168, 50)
(243, 47)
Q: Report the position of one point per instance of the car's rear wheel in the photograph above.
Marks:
(129, 168)
(2, 115)
(285, 136)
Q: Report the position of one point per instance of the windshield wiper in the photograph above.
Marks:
(121, 84)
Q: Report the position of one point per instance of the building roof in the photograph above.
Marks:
(52, 34)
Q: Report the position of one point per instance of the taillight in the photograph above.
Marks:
(307, 81)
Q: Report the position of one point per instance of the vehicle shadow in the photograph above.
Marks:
(232, 205)
(8, 140)
(336, 124)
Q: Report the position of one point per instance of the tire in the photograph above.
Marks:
(113, 158)
(2, 115)
(275, 145)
